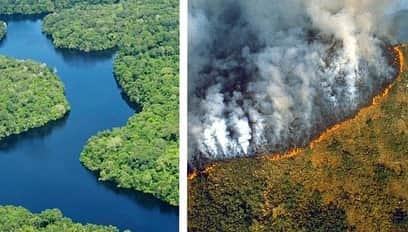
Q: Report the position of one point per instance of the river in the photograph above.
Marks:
(41, 169)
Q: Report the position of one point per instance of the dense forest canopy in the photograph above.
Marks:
(352, 180)
(143, 155)
(33, 7)
(132, 26)
(18, 219)
(31, 95)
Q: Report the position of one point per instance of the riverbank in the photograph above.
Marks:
(143, 154)
(38, 168)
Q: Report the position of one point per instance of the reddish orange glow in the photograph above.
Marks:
(398, 60)
(196, 173)
(192, 175)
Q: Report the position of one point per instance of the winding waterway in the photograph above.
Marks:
(41, 169)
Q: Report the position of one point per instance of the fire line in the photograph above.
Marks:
(398, 59)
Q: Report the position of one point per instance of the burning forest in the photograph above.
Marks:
(266, 80)
(351, 177)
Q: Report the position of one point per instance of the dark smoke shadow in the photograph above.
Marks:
(199, 163)
(147, 201)
(10, 142)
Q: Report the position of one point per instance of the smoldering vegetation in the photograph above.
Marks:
(267, 76)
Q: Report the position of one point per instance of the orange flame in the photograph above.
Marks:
(398, 60)
(196, 173)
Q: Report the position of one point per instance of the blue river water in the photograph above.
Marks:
(41, 169)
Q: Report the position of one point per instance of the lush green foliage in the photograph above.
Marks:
(143, 155)
(32, 7)
(17, 219)
(133, 25)
(31, 95)
(3, 29)
(93, 29)
(355, 179)
(145, 161)
(8, 7)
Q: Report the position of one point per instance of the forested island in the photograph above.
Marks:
(31, 96)
(16, 219)
(142, 155)
(353, 179)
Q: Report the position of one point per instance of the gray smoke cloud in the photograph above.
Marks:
(269, 75)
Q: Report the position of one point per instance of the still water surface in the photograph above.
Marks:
(41, 169)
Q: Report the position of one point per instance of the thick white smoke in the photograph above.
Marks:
(269, 75)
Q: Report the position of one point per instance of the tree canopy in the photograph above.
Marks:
(143, 155)
(34, 7)
(18, 219)
(31, 95)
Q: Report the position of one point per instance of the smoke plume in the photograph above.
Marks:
(269, 75)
